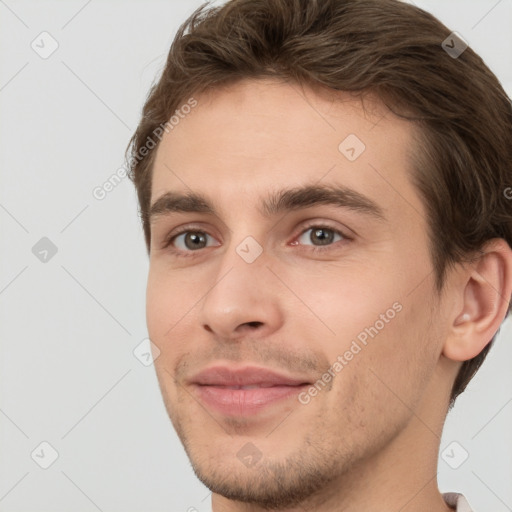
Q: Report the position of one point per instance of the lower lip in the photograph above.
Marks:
(244, 402)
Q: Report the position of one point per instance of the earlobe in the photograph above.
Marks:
(486, 290)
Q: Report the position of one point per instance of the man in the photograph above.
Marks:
(323, 190)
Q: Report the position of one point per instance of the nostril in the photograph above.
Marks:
(254, 324)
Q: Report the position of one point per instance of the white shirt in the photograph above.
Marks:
(458, 501)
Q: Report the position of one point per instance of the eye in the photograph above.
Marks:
(320, 236)
(190, 240)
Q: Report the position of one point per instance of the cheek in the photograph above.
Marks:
(166, 317)
(371, 316)
(158, 305)
(345, 301)
(403, 356)
(166, 309)
(168, 301)
(384, 380)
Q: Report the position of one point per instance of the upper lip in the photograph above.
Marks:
(245, 376)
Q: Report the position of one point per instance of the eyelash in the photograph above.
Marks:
(187, 254)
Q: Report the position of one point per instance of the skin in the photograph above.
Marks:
(370, 439)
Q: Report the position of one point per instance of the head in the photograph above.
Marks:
(282, 111)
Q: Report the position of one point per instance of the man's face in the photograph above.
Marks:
(312, 291)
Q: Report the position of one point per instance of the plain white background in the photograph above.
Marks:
(70, 324)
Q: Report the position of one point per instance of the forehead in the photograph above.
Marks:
(259, 135)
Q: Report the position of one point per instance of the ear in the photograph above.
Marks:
(485, 290)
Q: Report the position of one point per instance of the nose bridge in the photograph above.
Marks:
(245, 255)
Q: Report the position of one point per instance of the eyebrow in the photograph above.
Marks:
(282, 201)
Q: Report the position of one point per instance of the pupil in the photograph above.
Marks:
(192, 240)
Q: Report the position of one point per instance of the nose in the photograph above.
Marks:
(243, 299)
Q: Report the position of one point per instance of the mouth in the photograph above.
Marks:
(245, 391)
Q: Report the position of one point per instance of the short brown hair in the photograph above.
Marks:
(389, 48)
